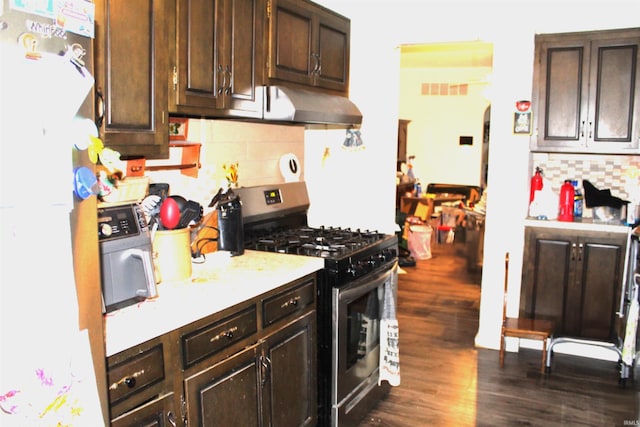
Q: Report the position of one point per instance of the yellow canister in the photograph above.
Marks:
(172, 250)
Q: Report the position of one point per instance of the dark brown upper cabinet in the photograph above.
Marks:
(307, 45)
(131, 71)
(218, 60)
(586, 92)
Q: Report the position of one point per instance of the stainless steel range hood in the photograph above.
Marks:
(295, 105)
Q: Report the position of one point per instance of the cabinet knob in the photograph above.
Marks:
(171, 419)
(292, 301)
(224, 79)
(224, 334)
(100, 107)
(129, 381)
(317, 67)
(227, 89)
(265, 369)
(580, 248)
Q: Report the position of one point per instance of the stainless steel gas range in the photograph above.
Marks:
(358, 265)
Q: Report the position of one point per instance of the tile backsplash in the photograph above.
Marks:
(256, 147)
(620, 174)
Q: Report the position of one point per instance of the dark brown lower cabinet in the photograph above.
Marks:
(271, 383)
(253, 364)
(574, 278)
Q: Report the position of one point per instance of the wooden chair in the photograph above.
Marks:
(534, 329)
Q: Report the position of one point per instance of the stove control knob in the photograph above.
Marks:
(389, 254)
(372, 262)
(352, 270)
(362, 267)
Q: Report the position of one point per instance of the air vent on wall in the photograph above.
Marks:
(445, 89)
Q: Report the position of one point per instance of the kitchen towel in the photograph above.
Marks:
(389, 336)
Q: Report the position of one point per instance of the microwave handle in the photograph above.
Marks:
(148, 269)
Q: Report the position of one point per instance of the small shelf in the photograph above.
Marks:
(189, 163)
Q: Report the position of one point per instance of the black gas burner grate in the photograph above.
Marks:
(325, 242)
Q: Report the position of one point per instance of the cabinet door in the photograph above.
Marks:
(561, 79)
(291, 43)
(226, 394)
(157, 413)
(600, 263)
(131, 76)
(547, 272)
(332, 52)
(613, 123)
(200, 58)
(290, 398)
(246, 26)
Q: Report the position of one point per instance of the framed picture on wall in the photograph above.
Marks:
(522, 123)
(522, 118)
(178, 128)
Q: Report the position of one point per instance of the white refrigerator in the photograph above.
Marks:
(52, 366)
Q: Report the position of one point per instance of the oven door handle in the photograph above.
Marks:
(367, 282)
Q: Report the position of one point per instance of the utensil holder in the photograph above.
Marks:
(173, 254)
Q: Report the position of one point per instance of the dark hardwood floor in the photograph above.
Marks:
(447, 381)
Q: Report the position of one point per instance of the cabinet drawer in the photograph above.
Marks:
(218, 336)
(287, 303)
(152, 413)
(135, 167)
(135, 374)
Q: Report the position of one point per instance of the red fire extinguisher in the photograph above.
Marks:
(536, 183)
(567, 192)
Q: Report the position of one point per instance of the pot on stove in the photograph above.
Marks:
(230, 225)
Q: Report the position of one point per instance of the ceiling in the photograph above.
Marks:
(447, 55)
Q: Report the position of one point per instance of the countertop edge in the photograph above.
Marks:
(584, 224)
(220, 283)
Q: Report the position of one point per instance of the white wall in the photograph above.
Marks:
(437, 122)
(378, 27)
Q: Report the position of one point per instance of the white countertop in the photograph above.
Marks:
(586, 224)
(219, 283)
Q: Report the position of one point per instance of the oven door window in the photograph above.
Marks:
(363, 326)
